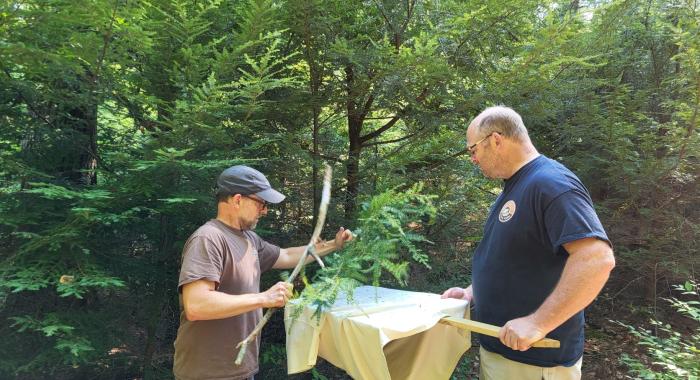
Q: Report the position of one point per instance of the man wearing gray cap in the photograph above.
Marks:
(220, 279)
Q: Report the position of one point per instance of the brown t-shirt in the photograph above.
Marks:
(234, 260)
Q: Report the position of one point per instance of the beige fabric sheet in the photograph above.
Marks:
(383, 334)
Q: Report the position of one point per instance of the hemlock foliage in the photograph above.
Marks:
(386, 241)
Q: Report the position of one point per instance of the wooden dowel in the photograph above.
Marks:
(491, 330)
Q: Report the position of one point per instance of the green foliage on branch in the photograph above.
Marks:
(673, 355)
(387, 238)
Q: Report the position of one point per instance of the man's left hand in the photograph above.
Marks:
(520, 333)
(341, 237)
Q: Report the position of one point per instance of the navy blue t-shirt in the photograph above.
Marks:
(521, 257)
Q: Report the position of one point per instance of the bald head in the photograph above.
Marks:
(503, 120)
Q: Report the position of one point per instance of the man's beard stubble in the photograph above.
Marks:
(248, 225)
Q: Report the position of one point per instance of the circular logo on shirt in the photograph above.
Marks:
(507, 211)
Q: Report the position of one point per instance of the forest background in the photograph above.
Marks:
(116, 116)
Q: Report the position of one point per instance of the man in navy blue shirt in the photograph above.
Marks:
(543, 258)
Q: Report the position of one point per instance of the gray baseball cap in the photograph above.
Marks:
(244, 180)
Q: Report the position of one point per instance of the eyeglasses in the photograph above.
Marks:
(472, 148)
(262, 203)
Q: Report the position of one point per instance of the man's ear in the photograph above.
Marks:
(497, 138)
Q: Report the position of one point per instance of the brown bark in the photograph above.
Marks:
(315, 81)
(354, 130)
(83, 170)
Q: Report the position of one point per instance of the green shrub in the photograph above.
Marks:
(673, 355)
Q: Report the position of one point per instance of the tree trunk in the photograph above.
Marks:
(354, 130)
(315, 81)
(314, 166)
(158, 299)
(353, 170)
(80, 166)
(314, 85)
(88, 157)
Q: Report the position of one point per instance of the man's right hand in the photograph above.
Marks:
(277, 295)
(459, 293)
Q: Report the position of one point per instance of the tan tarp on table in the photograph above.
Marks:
(383, 334)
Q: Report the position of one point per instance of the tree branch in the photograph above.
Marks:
(309, 250)
(28, 103)
(367, 106)
(395, 140)
(380, 130)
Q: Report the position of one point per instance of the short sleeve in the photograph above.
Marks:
(267, 253)
(570, 217)
(201, 260)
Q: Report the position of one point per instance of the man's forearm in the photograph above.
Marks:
(325, 247)
(212, 304)
(290, 256)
